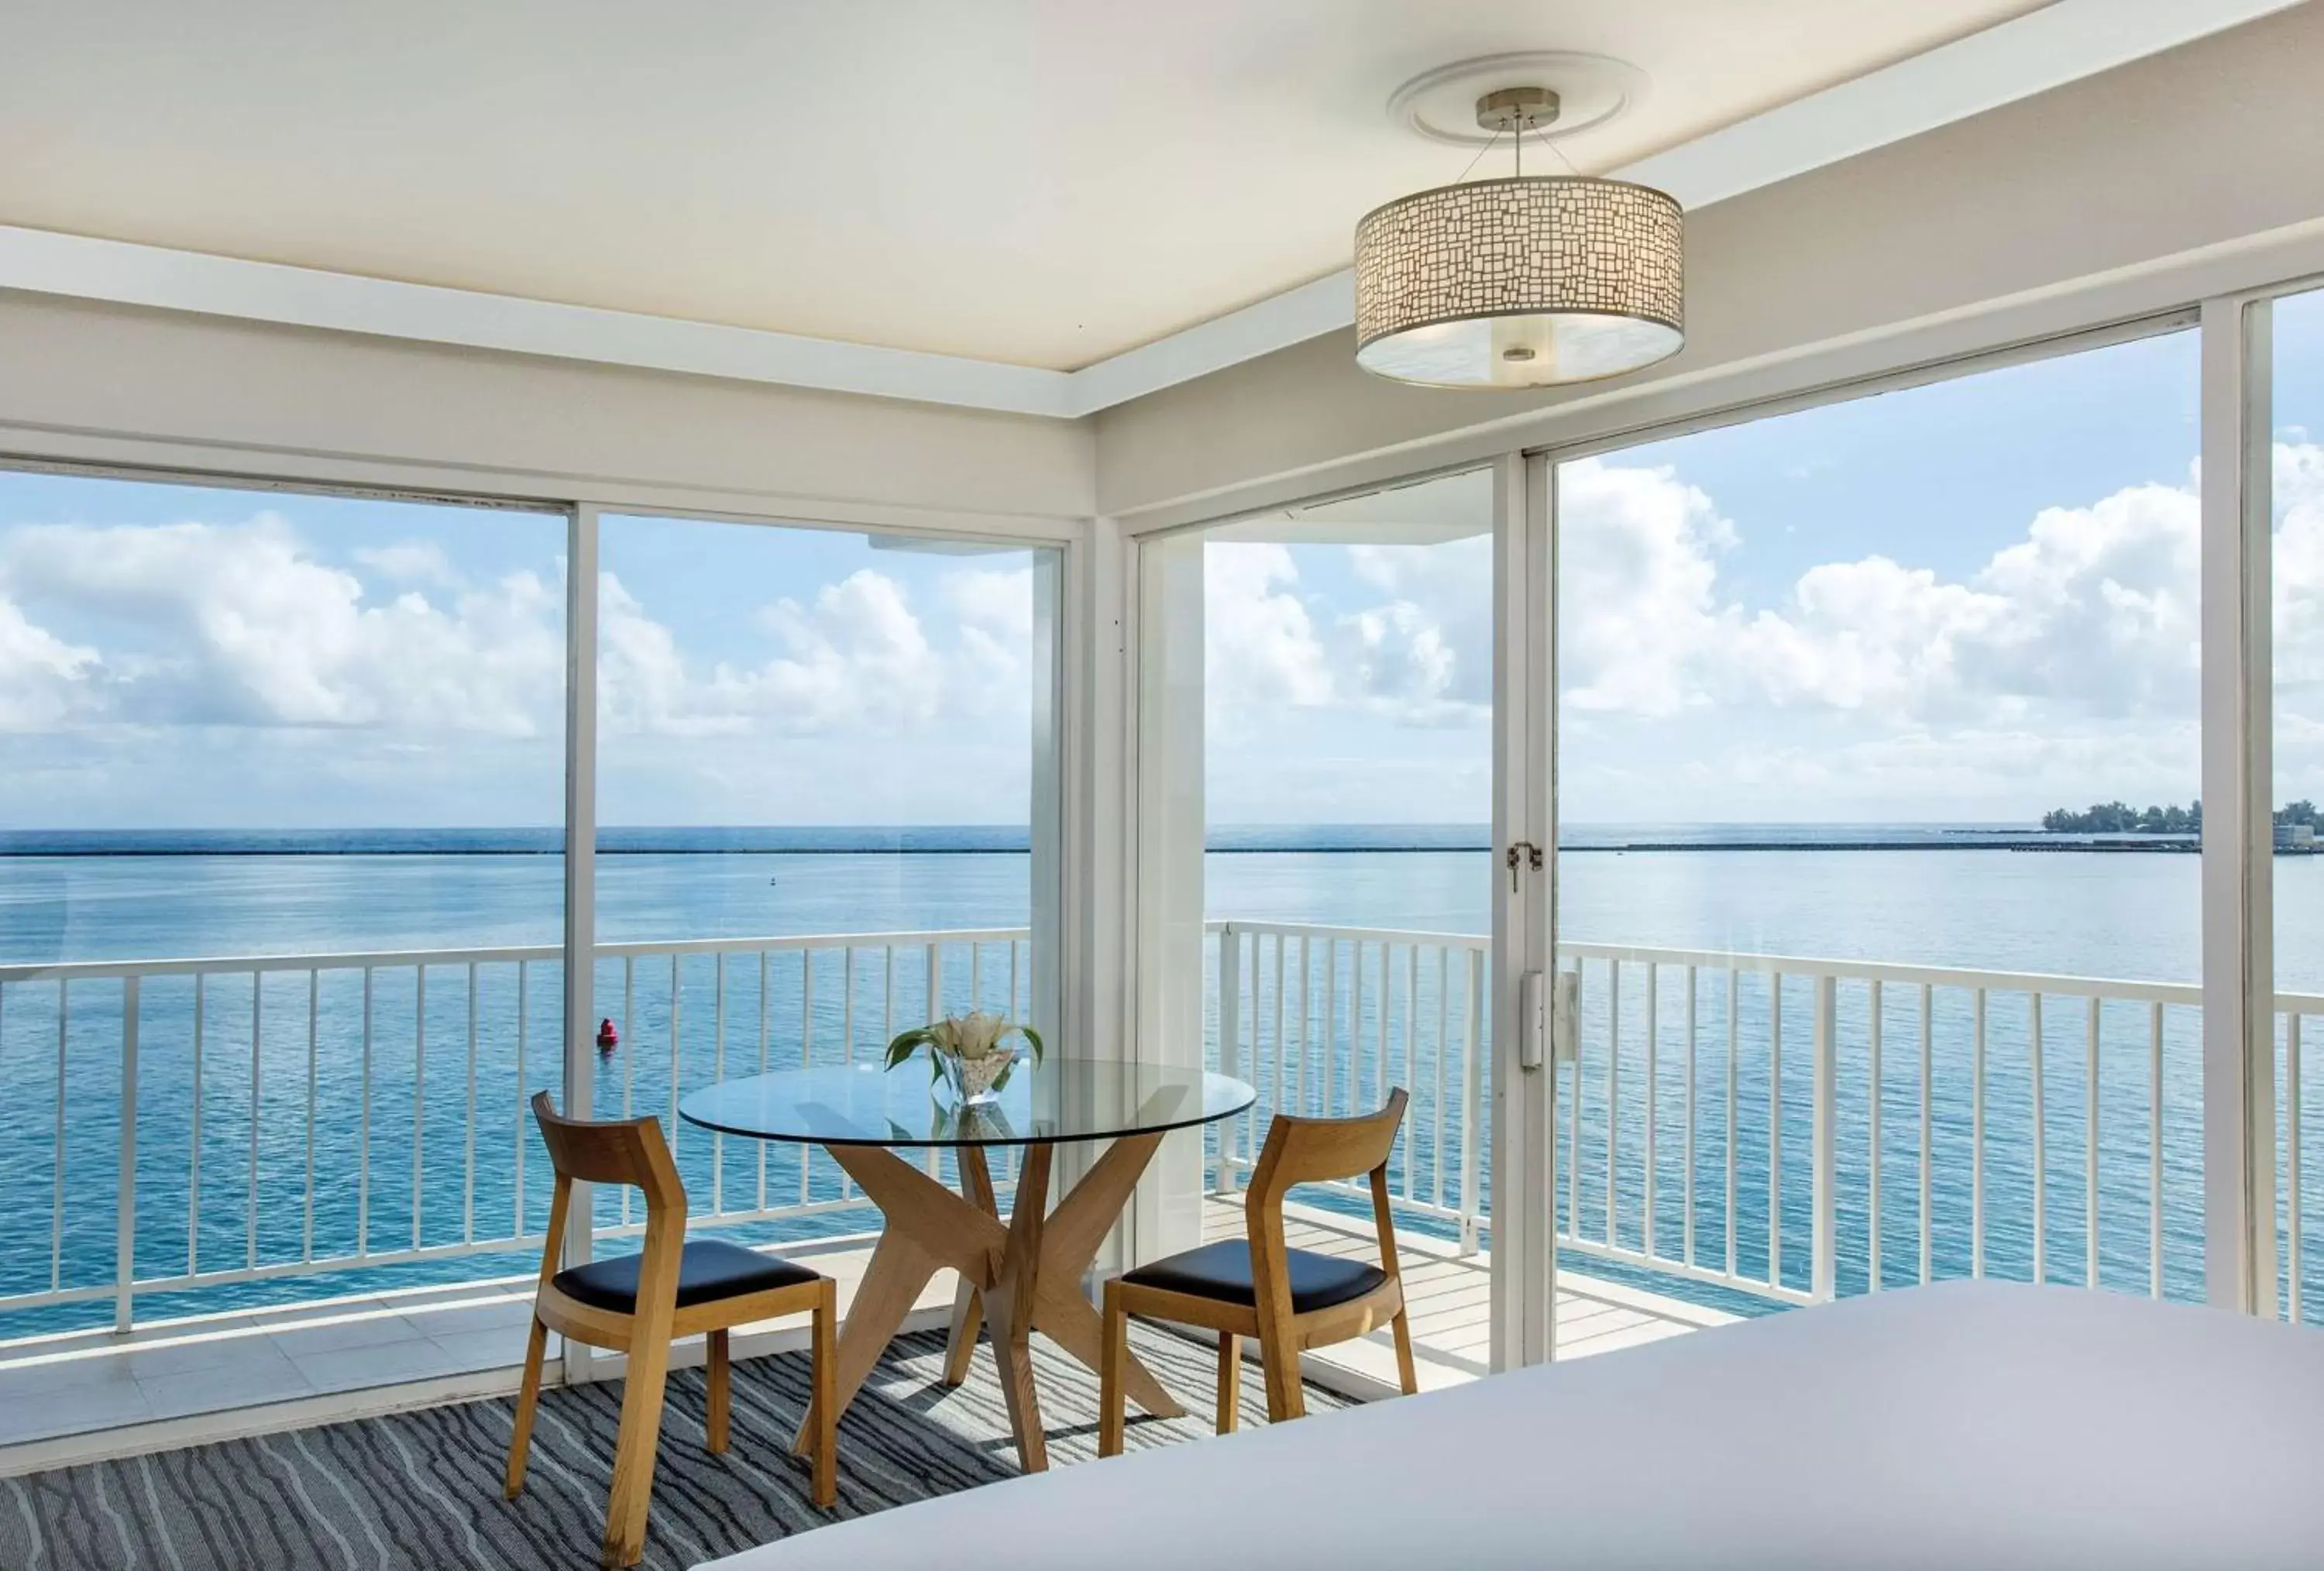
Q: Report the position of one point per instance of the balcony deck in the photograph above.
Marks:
(87, 1395)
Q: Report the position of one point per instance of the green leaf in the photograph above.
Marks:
(908, 1042)
(1032, 1038)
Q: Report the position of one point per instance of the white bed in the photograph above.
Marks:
(1962, 1424)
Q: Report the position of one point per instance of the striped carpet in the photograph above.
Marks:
(420, 1491)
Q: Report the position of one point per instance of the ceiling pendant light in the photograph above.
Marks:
(1529, 282)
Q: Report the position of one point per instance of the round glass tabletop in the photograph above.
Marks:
(1061, 1100)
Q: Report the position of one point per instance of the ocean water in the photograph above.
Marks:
(241, 1101)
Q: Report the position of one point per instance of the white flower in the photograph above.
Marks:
(976, 1035)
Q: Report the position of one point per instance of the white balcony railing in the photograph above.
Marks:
(203, 1123)
(1785, 1128)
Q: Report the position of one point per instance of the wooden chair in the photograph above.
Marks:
(1288, 1299)
(638, 1304)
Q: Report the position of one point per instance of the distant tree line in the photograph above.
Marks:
(2122, 818)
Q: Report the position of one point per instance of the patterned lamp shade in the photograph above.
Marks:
(1523, 282)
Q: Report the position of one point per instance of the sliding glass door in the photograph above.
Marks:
(1316, 872)
(1878, 898)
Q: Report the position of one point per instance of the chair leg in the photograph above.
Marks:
(1111, 1398)
(720, 1380)
(634, 1451)
(824, 1418)
(1406, 1376)
(527, 1397)
(1279, 1359)
(1230, 1381)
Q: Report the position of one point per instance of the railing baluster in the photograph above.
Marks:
(1734, 1041)
(314, 1017)
(677, 999)
(763, 1040)
(1872, 1147)
(1687, 1223)
(523, 1032)
(194, 1146)
(362, 1132)
(806, 1047)
(468, 1124)
(2155, 1154)
(1332, 1021)
(57, 1155)
(1443, 1046)
(1654, 1101)
(124, 1215)
(1775, 1129)
(418, 1091)
(1380, 1066)
(847, 1001)
(250, 1199)
(629, 1051)
(1928, 1099)
(1411, 1038)
(975, 976)
(2041, 1155)
(1823, 1237)
(1306, 1006)
(1229, 1042)
(2291, 1169)
(1472, 1075)
(1976, 1142)
(2090, 1150)
(718, 1073)
(1613, 1093)
(935, 1013)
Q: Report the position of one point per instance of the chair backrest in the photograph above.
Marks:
(1308, 1150)
(626, 1150)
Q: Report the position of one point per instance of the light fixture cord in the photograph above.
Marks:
(1496, 137)
(1547, 140)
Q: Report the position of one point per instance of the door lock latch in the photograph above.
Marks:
(1522, 853)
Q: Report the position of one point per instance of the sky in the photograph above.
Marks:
(183, 657)
(1967, 602)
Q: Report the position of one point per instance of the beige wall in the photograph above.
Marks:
(2217, 140)
(73, 373)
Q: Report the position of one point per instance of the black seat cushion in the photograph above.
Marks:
(707, 1269)
(1222, 1270)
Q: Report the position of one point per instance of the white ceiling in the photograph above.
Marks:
(1038, 182)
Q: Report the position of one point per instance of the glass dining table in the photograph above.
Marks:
(1015, 1278)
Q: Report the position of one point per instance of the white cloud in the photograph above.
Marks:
(43, 679)
(2094, 615)
(1261, 646)
(240, 623)
(416, 561)
(1636, 570)
(995, 612)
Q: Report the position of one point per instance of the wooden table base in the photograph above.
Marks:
(1019, 1278)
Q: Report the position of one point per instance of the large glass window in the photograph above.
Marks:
(1346, 786)
(821, 759)
(1868, 713)
(280, 856)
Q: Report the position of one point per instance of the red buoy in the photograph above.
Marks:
(608, 1039)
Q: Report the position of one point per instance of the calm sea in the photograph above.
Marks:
(1939, 897)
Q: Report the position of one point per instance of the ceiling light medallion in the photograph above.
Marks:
(1529, 282)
